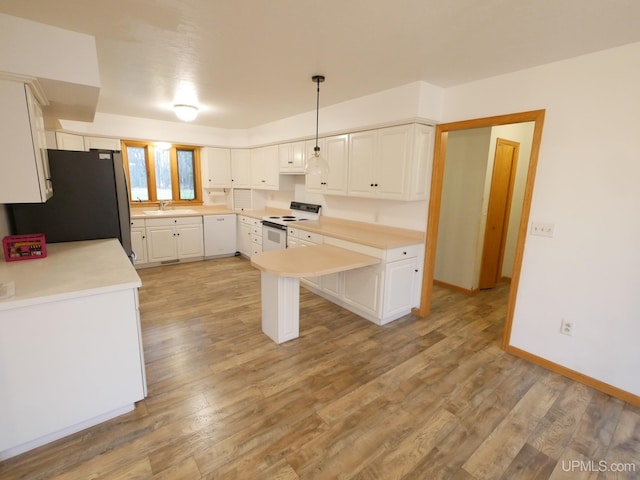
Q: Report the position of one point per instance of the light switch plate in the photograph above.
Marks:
(542, 229)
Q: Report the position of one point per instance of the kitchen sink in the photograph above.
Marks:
(171, 213)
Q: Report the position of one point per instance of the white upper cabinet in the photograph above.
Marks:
(391, 163)
(335, 151)
(362, 152)
(218, 163)
(102, 143)
(69, 141)
(24, 159)
(265, 168)
(292, 157)
(240, 168)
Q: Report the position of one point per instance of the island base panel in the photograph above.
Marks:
(280, 307)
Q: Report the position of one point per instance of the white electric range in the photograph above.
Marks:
(274, 227)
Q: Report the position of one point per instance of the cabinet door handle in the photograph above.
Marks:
(404, 253)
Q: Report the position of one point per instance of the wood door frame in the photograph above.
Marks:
(433, 219)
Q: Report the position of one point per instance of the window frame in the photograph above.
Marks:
(149, 153)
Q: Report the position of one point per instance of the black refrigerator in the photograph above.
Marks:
(90, 200)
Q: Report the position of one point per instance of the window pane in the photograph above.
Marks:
(137, 173)
(163, 174)
(185, 175)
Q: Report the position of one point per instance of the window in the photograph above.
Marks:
(162, 173)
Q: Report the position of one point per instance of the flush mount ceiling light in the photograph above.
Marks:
(185, 112)
(316, 165)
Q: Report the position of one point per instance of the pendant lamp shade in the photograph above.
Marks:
(184, 112)
(316, 165)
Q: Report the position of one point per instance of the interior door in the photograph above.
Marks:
(502, 180)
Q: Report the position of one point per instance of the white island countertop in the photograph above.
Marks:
(70, 270)
(311, 261)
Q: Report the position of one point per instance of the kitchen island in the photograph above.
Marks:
(70, 343)
(281, 271)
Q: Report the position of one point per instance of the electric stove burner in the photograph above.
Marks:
(299, 212)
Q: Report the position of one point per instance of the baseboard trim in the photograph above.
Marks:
(455, 287)
(577, 376)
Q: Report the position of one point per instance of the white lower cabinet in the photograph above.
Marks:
(139, 241)
(297, 238)
(380, 293)
(362, 288)
(171, 239)
(401, 278)
(249, 235)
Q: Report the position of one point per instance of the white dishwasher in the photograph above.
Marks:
(219, 235)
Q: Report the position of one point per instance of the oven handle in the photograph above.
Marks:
(267, 223)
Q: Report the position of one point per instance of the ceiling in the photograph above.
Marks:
(250, 62)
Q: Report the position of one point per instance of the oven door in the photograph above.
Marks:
(274, 236)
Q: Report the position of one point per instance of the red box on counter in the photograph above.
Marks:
(24, 247)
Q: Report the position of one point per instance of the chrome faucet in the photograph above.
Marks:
(164, 203)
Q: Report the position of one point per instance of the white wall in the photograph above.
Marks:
(587, 185)
(461, 209)
(418, 100)
(132, 128)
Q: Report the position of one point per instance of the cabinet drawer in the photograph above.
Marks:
(137, 222)
(163, 222)
(257, 230)
(309, 237)
(394, 254)
(249, 220)
(257, 240)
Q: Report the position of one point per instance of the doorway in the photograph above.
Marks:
(440, 150)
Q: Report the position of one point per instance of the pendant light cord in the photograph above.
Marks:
(317, 113)
(318, 79)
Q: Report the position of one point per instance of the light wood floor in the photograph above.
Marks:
(417, 399)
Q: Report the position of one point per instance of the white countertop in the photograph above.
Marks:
(311, 261)
(70, 270)
(371, 234)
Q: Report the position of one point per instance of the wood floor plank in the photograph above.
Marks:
(418, 398)
(556, 429)
(529, 464)
(503, 444)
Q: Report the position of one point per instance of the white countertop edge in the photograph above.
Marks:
(10, 303)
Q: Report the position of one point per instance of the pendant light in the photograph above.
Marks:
(185, 112)
(316, 164)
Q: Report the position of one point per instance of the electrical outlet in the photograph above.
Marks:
(542, 229)
(566, 327)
